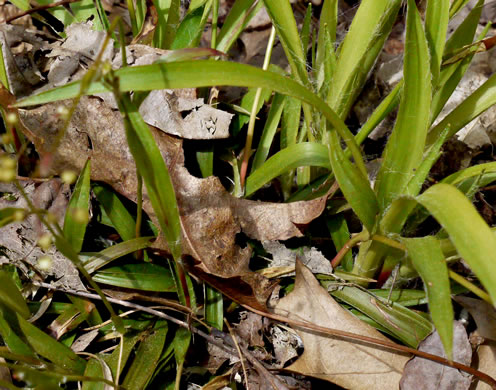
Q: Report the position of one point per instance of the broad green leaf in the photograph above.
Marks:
(146, 358)
(130, 340)
(116, 251)
(303, 154)
(76, 215)
(359, 50)
(269, 131)
(21, 4)
(121, 219)
(86, 9)
(152, 168)
(408, 326)
(141, 276)
(11, 297)
(428, 260)
(355, 187)
(405, 147)
(470, 234)
(436, 25)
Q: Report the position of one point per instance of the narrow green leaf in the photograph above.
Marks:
(282, 17)
(181, 343)
(408, 326)
(190, 30)
(405, 148)
(155, 174)
(141, 276)
(456, 6)
(116, 251)
(76, 216)
(43, 344)
(436, 26)
(470, 234)
(460, 179)
(303, 154)
(358, 52)
(146, 358)
(214, 307)
(121, 219)
(428, 260)
(327, 31)
(241, 13)
(170, 30)
(11, 297)
(355, 187)
(474, 105)
(269, 131)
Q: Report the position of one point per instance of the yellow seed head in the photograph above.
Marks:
(45, 263)
(68, 176)
(19, 215)
(45, 241)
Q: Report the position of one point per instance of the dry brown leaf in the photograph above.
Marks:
(211, 217)
(18, 239)
(486, 355)
(425, 374)
(483, 313)
(350, 364)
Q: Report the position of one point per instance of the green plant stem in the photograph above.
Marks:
(253, 115)
(215, 17)
(470, 286)
(360, 237)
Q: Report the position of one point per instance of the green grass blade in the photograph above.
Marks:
(456, 6)
(436, 26)
(141, 276)
(152, 168)
(355, 187)
(408, 326)
(327, 32)
(121, 219)
(471, 236)
(241, 13)
(146, 358)
(304, 154)
(11, 297)
(306, 27)
(214, 307)
(114, 252)
(451, 74)
(43, 344)
(485, 173)
(405, 148)
(282, 17)
(170, 29)
(474, 105)
(76, 216)
(269, 131)
(428, 260)
(195, 74)
(191, 28)
(359, 50)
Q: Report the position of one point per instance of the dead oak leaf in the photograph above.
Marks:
(211, 218)
(350, 364)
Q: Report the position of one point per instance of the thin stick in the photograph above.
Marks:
(377, 342)
(239, 352)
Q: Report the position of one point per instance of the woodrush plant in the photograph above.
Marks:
(433, 67)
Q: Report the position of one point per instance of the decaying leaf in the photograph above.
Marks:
(486, 356)
(18, 240)
(424, 374)
(483, 313)
(284, 257)
(350, 364)
(211, 217)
